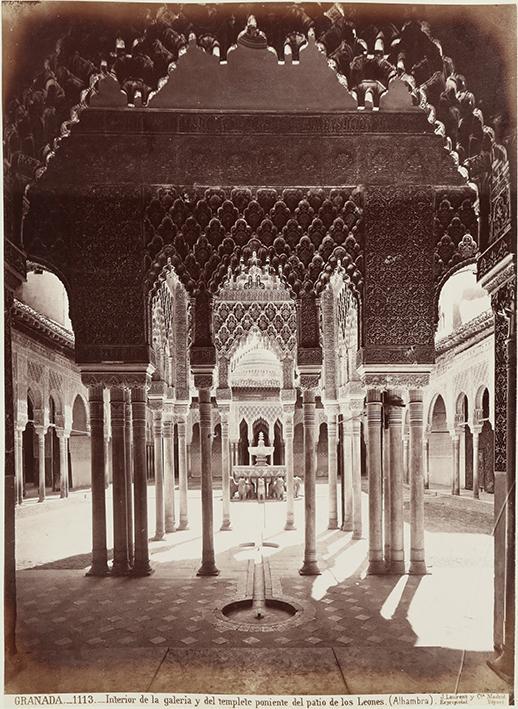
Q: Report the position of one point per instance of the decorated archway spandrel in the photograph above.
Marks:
(91, 237)
(397, 312)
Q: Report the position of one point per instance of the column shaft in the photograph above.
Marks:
(332, 471)
(99, 552)
(385, 442)
(476, 493)
(18, 438)
(159, 474)
(141, 566)
(374, 463)
(41, 464)
(406, 458)
(107, 457)
(290, 501)
(357, 478)
(456, 466)
(169, 481)
(63, 487)
(121, 563)
(397, 546)
(427, 462)
(128, 460)
(225, 475)
(347, 477)
(208, 565)
(182, 475)
(310, 566)
(415, 415)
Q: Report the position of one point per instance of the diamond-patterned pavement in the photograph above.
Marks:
(343, 609)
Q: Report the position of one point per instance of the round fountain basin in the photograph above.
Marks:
(275, 612)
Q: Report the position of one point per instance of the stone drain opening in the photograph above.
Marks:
(259, 610)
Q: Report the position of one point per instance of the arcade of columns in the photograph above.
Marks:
(167, 394)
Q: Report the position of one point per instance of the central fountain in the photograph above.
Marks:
(259, 606)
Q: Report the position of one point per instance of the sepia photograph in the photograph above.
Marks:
(259, 353)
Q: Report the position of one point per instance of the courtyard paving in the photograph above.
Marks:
(353, 633)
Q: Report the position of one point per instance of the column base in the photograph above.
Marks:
(417, 568)
(169, 530)
(289, 526)
(98, 569)
(41, 499)
(158, 538)
(376, 568)
(120, 569)
(333, 524)
(310, 568)
(208, 569)
(503, 666)
(397, 567)
(142, 569)
(346, 527)
(225, 526)
(182, 526)
(357, 535)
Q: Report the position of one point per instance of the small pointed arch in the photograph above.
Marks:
(79, 415)
(483, 402)
(462, 406)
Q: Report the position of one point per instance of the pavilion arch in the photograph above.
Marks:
(79, 445)
(440, 457)
(484, 403)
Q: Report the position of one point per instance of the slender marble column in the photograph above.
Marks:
(347, 477)
(406, 442)
(128, 465)
(169, 491)
(208, 564)
(40, 432)
(332, 470)
(19, 464)
(107, 458)
(397, 545)
(121, 565)
(159, 474)
(476, 483)
(99, 551)
(374, 461)
(385, 442)
(63, 464)
(415, 416)
(225, 472)
(426, 461)
(456, 464)
(357, 478)
(182, 475)
(141, 566)
(290, 502)
(310, 565)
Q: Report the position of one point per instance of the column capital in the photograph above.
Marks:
(309, 376)
(399, 376)
(117, 375)
(62, 433)
(40, 430)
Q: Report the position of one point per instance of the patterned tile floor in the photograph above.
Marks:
(364, 629)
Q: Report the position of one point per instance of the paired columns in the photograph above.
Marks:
(127, 398)
(386, 469)
(18, 443)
